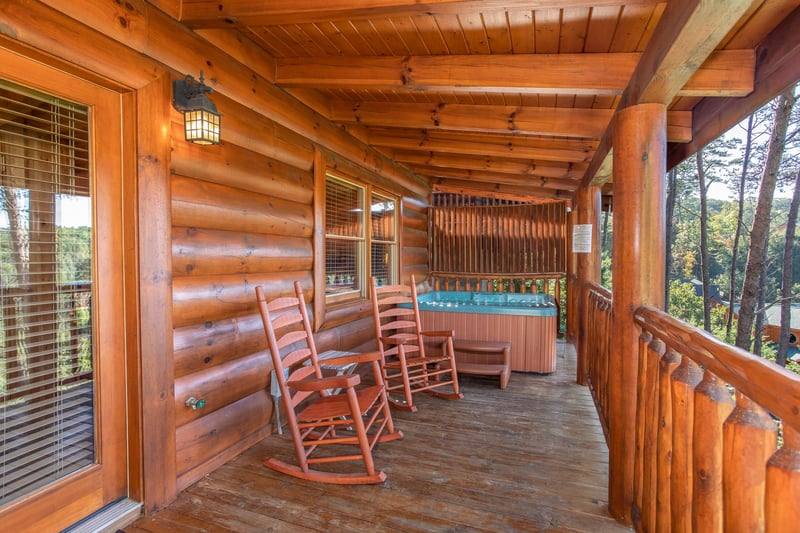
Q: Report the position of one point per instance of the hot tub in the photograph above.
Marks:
(528, 321)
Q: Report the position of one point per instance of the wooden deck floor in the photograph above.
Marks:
(529, 458)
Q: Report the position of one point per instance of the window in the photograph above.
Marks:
(46, 339)
(383, 221)
(349, 235)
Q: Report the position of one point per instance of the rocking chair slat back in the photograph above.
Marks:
(323, 410)
(407, 368)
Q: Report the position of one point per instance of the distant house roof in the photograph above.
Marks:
(773, 315)
(713, 289)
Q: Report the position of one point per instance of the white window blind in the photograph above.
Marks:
(46, 366)
(383, 245)
(344, 237)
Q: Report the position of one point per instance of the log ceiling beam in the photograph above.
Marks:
(498, 190)
(518, 167)
(504, 146)
(777, 67)
(557, 121)
(541, 182)
(722, 73)
(249, 13)
(685, 38)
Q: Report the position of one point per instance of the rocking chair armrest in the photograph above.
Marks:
(396, 341)
(348, 359)
(449, 333)
(332, 382)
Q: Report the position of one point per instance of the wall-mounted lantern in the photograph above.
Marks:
(201, 120)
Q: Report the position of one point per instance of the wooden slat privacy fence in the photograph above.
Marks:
(466, 238)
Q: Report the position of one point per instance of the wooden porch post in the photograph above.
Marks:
(154, 216)
(639, 143)
(588, 267)
(571, 283)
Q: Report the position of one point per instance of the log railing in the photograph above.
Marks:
(596, 347)
(717, 433)
(521, 283)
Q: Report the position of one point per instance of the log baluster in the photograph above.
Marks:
(666, 367)
(656, 350)
(712, 406)
(641, 403)
(606, 354)
(782, 500)
(749, 432)
(684, 381)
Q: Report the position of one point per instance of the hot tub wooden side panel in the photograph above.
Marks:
(533, 338)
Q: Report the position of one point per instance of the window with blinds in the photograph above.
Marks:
(344, 237)
(348, 238)
(383, 245)
(46, 366)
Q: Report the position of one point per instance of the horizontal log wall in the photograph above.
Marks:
(414, 240)
(242, 218)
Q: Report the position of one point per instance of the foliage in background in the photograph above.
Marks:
(724, 163)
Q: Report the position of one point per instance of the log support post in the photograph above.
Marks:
(157, 416)
(573, 295)
(638, 256)
(587, 268)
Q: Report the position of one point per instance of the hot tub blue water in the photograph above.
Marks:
(493, 303)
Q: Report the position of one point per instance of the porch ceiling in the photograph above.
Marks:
(511, 102)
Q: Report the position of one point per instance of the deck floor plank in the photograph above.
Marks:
(528, 458)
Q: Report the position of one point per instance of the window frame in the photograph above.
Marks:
(366, 239)
(393, 244)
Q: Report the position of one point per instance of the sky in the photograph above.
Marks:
(71, 212)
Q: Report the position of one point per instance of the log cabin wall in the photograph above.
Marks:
(237, 215)
(241, 218)
(414, 240)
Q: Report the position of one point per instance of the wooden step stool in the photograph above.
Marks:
(485, 358)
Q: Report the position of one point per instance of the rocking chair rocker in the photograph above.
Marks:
(407, 369)
(316, 416)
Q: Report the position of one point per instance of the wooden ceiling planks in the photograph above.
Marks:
(400, 74)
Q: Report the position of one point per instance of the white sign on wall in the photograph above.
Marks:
(582, 238)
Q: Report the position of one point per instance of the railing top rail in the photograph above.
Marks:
(488, 275)
(596, 287)
(774, 388)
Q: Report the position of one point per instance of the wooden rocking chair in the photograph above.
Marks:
(322, 411)
(407, 369)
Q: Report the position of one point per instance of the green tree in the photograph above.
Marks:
(760, 229)
(685, 304)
